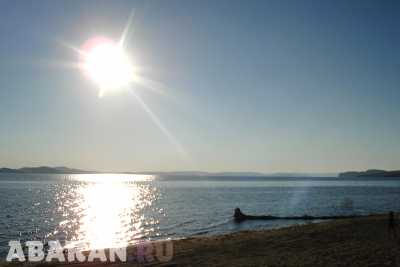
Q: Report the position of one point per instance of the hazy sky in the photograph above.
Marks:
(247, 85)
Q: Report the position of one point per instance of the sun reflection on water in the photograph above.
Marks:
(107, 210)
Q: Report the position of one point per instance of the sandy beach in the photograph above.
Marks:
(349, 242)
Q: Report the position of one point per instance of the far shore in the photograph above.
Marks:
(348, 242)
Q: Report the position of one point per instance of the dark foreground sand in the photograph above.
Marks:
(350, 242)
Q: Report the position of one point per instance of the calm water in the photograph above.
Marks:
(111, 210)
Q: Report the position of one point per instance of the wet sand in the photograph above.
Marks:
(348, 242)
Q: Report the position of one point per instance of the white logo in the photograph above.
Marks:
(74, 252)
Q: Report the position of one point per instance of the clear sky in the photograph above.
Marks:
(247, 86)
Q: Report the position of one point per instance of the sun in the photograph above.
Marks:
(107, 64)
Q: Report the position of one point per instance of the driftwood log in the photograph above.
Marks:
(239, 216)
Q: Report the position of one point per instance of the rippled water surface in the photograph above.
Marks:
(109, 210)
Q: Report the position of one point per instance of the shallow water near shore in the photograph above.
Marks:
(108, 210)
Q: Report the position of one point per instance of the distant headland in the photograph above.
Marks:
(370, 173)
(44, 170)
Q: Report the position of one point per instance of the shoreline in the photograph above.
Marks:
(363, 241)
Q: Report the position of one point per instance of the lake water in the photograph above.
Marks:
(108, 210)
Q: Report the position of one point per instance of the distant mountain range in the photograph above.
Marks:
(370, 173)
(44, 170)
(66, 170)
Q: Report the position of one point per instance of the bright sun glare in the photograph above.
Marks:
(107, 64)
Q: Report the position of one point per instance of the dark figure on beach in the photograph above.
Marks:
(392, 225)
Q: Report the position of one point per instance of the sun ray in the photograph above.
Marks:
(159, 124)
(150, 84)
(72, 47)
(126, 30)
